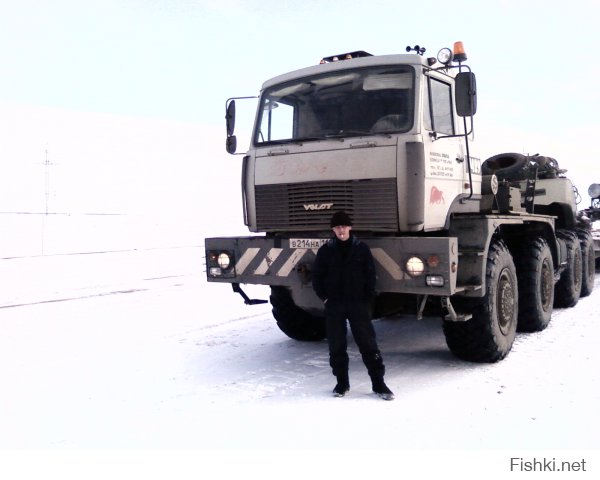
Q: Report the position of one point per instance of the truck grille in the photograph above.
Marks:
(372, 204)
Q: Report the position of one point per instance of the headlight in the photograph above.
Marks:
(415, 266)
(224, 260)
(594, 190)
(220, 263)
(444, 56)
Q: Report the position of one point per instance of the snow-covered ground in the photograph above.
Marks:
(131, 350)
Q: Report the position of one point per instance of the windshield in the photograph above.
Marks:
(348, 103)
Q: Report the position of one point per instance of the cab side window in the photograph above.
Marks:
(438, 107)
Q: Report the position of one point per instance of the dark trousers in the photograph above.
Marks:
(358, 316)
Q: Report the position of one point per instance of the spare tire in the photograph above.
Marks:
(506, 166)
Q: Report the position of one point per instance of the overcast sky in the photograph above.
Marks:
(128, 96)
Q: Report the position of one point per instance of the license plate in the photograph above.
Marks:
(307, 242)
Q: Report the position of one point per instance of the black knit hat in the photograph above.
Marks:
(341, 218)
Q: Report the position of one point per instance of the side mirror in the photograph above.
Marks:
(231, 144)
(230, 117)
(466, 94)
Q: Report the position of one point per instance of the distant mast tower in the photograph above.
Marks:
(47, 165)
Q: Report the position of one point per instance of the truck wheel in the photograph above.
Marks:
(568, 289)
(292, 320)
(535, 273)
(507, 166)
(489, 335)
(588, 262)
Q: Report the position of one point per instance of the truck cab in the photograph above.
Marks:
(376, 136)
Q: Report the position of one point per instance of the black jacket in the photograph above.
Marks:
(344, 271)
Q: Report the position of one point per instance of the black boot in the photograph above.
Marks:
(343, 386)
(382, 390)
(340, 390)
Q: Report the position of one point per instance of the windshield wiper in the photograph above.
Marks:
(309, 139)
(348, 133)
(326, 136)
(356, 133)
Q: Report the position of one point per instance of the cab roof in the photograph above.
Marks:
(333, 66)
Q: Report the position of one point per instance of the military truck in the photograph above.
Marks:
(590, 217)
(491, 246)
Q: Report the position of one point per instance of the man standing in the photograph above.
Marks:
(344, 278)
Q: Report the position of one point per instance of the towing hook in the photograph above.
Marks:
(247, 300)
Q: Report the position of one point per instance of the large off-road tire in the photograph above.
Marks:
(292, 320)
(588, 262)
(489, 335)
(506, 166)
(568, 288)
(535, 273)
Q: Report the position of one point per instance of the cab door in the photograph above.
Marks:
(444, 152)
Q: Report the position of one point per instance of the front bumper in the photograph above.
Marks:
(280, 262)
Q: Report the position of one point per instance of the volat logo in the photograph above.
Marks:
(436, 196)
(318, 206)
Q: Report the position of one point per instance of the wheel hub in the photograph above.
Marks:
(546, 286)
(506, 302)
